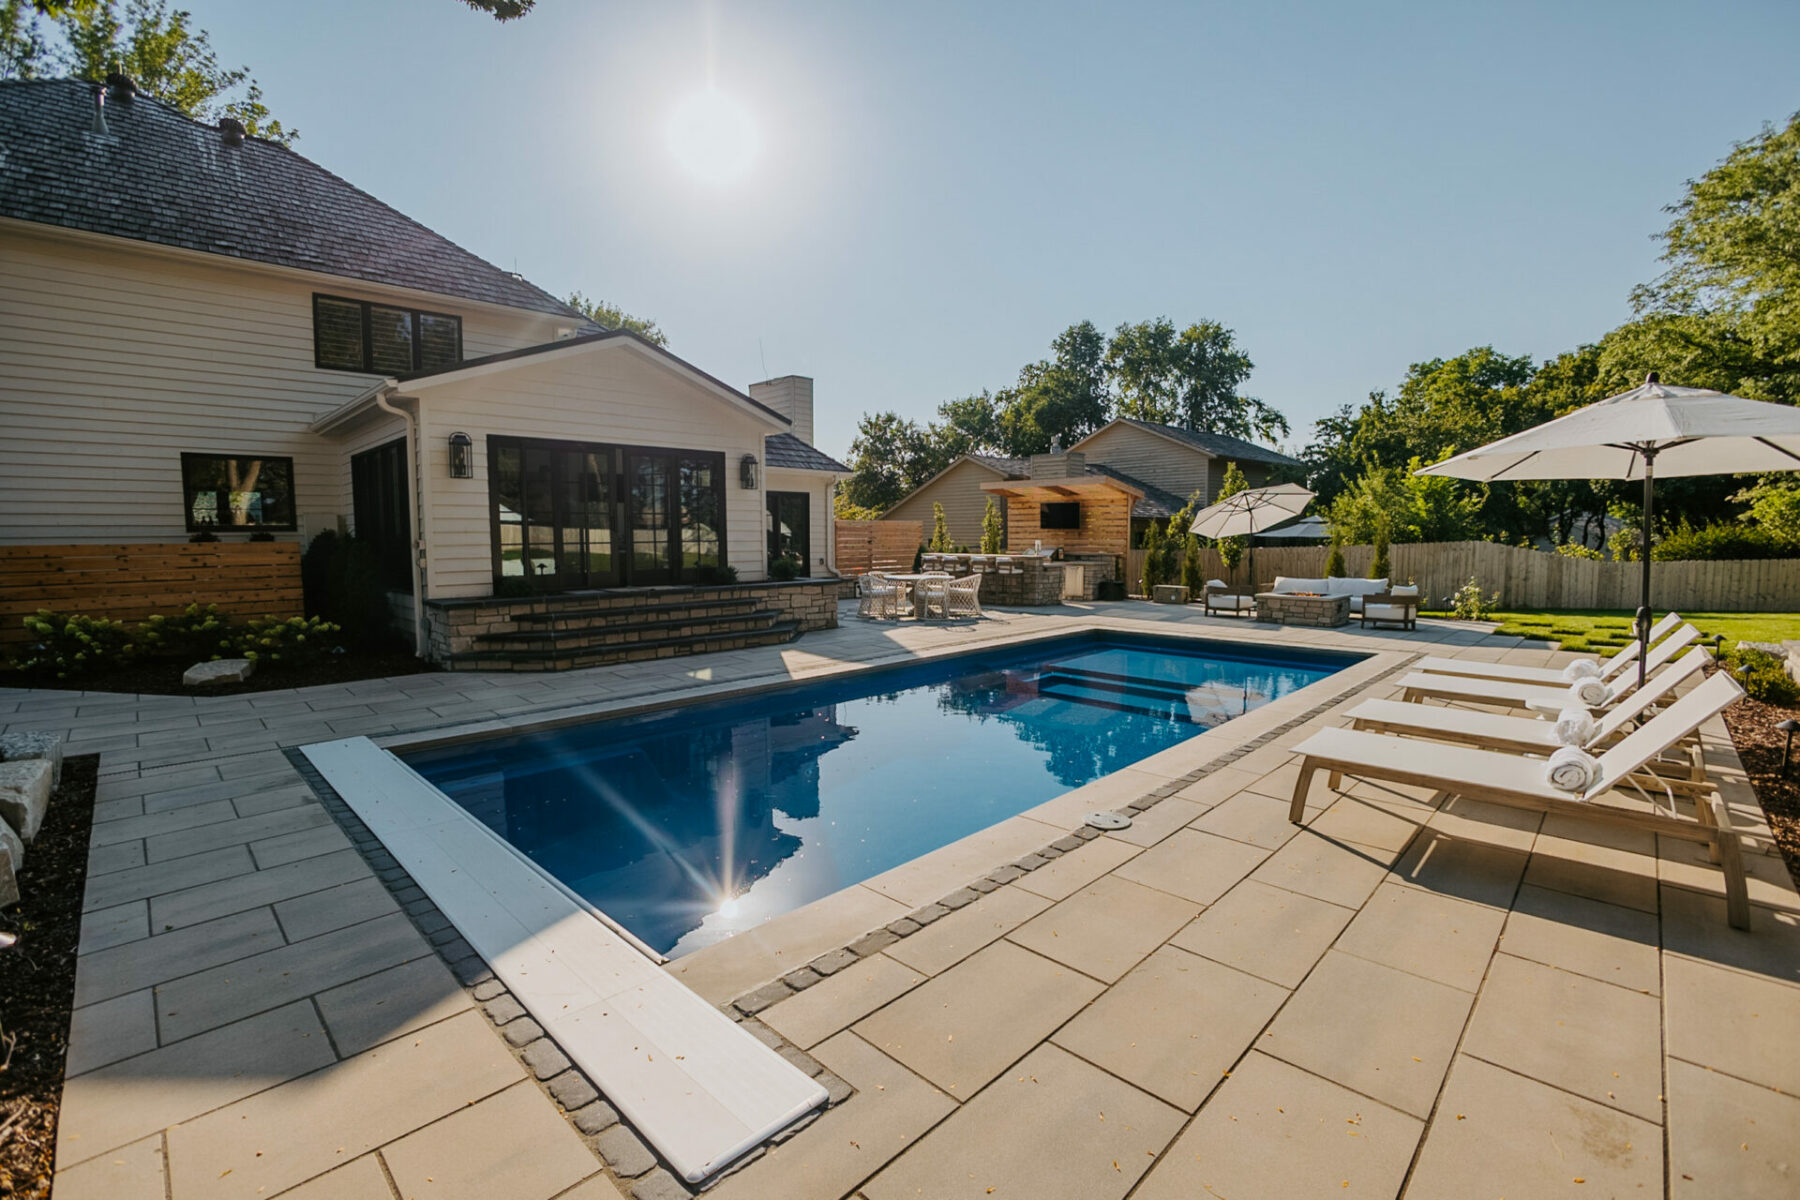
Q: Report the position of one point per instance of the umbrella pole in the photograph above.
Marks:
(1643, 612)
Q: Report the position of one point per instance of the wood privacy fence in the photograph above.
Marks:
(877, 545)
(132, 582)
(1536, 579)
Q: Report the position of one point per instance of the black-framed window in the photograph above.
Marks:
(382, 339)
(238, 491)
(790, 525)
(380, 495)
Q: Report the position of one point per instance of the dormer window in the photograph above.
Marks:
(381, 339)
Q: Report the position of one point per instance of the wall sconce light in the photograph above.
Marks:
(462, 456)
(747, 472)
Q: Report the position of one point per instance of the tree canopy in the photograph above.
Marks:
(611, 316)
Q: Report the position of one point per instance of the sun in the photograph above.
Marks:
(712, 137)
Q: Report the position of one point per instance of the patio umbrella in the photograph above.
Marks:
(1249, 512)
(1653, 429)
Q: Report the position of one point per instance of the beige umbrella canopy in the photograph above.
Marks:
(1653, 429)
(1251, 511)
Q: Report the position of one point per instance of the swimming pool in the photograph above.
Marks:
(691, 824)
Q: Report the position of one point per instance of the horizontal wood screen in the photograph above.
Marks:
(864, 546)
(132, 582)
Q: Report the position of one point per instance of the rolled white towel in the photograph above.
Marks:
(1580, 669)
(1572, 769)
(1574, 727)
(1589, 693)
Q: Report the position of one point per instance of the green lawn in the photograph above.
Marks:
(1606, 630)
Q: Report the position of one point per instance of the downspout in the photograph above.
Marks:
(418, 496)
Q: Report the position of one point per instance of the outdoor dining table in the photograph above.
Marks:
(913, 581)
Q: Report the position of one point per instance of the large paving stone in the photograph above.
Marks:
(1572, 1032)
(111, 1030)
(1054, 1128)
(148, 961)
(1109, 926)
(1174, 1025)
(133, 1172)
(514, 1144)
(1268, 931)
(1602, 941)
(1435, 936)
(963, 1028)
(840, 1000)
(1469, 870)
(1275, 1131)
(362, 1179)
(368, 1011)
(1250, 817)
(947, 942)
(1694, 926)
(24, 795)
(286, 1135)
(892, 1108)
(1730, 1138)
(1193, 865)
(1077, 868)
(1742, 1024)
(1325, 870)
(1500, 1134)
(1372, 1028)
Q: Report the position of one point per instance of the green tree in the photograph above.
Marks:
(611, 316)
(1064, 398)
(940, 529)
(502, 10)
(1190, 378)
(1231, 549)
(1193, 567)
(1334, 561)
(1153, 558)
(24, 54)
(993, 529)
(1378, 567)
(887, 456)
(168, 58)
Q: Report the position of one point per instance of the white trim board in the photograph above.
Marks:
(699, 1088)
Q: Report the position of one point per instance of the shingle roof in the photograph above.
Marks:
(158, 176)
(1218, 444)
(1012, 468)
(1156, 502)
(788, 452)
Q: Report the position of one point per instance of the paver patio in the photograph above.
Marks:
(1404, 998)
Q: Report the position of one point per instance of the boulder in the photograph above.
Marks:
(211, 674)
(24, 795)
(15, 747)
(12, 857)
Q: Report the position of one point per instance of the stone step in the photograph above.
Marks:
(620, 609)
(628, 632)
(552, 659)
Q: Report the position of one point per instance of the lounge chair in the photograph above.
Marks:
(1396, 606)
(932, 594)
(1543, 695)
(962, 597)
(1609, 668)
(1221, 598)
(1521, 782)
(882, 598)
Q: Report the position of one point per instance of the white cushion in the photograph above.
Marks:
(1218, 583)
(1284, 584)
(1386, 612)
(1339, 585)
(1233, 602)
(1408, 590)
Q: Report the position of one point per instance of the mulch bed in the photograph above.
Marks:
(37, 983)
(164, 678)
(1752, 725)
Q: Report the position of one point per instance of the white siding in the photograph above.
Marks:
(818, 490)
(1154, 459)
(611, 394)
(115, 359)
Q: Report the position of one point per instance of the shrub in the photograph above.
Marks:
(1469, 604)
(343, 584)
(1193, 574)
(940, 529)
(715, 575)
(1153, 558)
(1625, 544)
(64, 645)
(993, 529)
(1378, 567)
(1764, 677)
(1334, 561)
(785, 566)
(294, 642)
(198, 633)
(1720, 541)
(1577, 550)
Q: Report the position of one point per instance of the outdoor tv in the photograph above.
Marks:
(1060, 516)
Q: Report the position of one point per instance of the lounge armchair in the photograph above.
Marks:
(1396, 606)
(1671, 624)
(932, 594)
(883, 598)
(1520, 782)
(962, 597)
(1540, 693)
(1223, 599)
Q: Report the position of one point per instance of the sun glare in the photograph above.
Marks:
(712, 137)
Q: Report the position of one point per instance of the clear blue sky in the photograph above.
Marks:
(938, 189)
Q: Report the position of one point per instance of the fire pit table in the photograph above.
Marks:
(1303, 608)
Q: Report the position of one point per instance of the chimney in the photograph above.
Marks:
(1058, 464)
(792, 397)
(99, 125)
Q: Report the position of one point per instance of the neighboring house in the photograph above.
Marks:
(201, 331)
(1166, 463)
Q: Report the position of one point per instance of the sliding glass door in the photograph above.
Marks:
(579, 515)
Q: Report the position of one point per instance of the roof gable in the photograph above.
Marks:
(1214, 445)
(785, 452)
(158, 176)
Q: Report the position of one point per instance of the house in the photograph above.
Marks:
(1164, 463)
(207, 334)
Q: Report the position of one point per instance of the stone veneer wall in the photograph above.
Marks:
(453, 625)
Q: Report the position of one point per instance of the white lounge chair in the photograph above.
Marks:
(1521, 782)
(1543, 696)
(1670, 624)
(962, 597)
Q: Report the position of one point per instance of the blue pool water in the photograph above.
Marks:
(691, 824)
